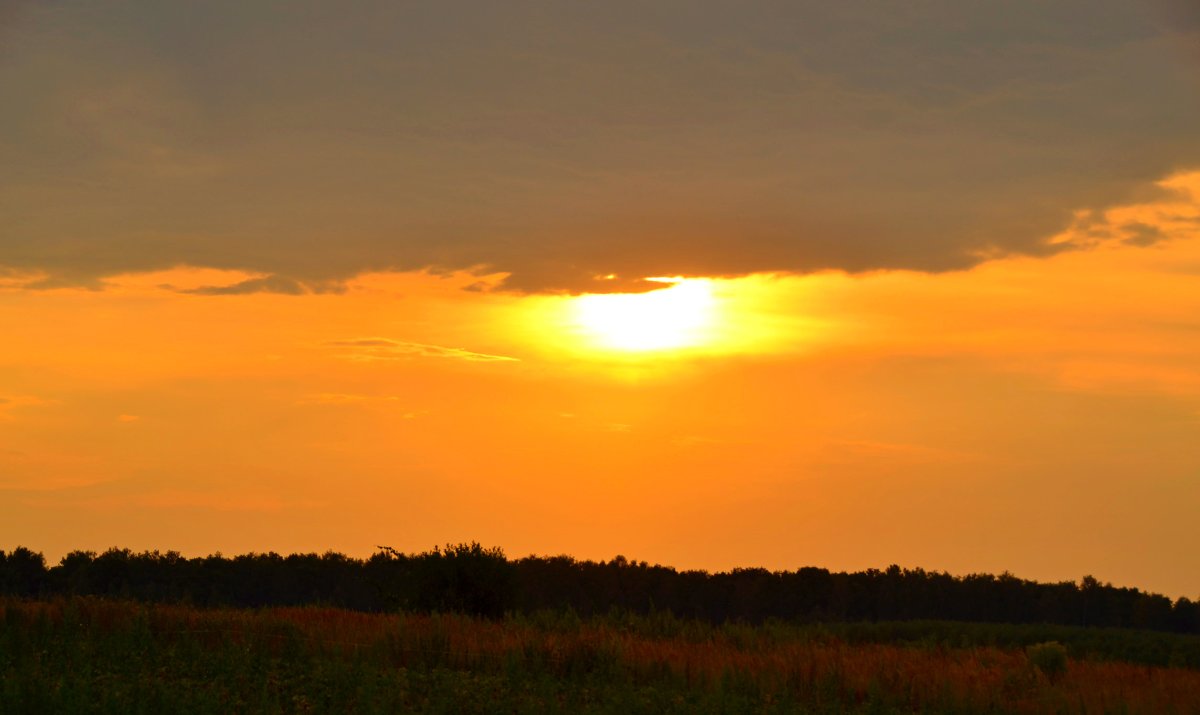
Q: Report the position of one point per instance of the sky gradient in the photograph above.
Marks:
(708, 284)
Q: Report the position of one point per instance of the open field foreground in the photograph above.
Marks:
(94, 655)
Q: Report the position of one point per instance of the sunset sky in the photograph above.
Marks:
(702, 283)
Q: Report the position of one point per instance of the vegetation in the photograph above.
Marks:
(471, 579)
(1049, 657)
(464, 629)
(94, 655)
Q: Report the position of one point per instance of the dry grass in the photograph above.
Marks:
(819, 673)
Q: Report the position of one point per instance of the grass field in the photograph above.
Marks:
(99, 656)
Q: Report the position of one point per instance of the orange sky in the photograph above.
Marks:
(700, 282)
(1034, 414)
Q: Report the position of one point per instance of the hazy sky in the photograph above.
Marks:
(306, 276)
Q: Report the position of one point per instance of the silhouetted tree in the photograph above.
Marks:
(470, 578)
(22, 572)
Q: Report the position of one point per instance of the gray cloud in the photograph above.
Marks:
(562, 141)
(1142, 234)
(268, 284)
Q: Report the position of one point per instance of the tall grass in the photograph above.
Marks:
(91, 655)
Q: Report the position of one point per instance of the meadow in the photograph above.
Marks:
(89, 654)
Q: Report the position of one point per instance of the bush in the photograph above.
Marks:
(463, 578)
(1049, 657)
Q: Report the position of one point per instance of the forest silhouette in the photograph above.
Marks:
(474, 580)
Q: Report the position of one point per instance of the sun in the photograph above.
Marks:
(673, 318)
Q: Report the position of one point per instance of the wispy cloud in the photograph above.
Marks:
(341, 398)
(39, 484)
(895, 452)
(1142, 234)
(39, 469)
(386, 349)
(10, 403)
(13, 279)
(269, 284)
(282, 285)
(1170, 214)
(344, 398)
(190, 500)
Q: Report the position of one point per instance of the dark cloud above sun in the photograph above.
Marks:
(559, 142)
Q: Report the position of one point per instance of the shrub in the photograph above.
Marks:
(1049, 657)
(463, 578)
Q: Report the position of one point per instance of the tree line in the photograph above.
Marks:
(470, 578)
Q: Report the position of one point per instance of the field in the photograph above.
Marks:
(107, 656)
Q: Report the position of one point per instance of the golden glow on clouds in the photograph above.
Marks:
(692, 319)
(776, 420)
(672, 318)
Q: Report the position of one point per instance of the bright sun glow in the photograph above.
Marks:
(672, 318)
